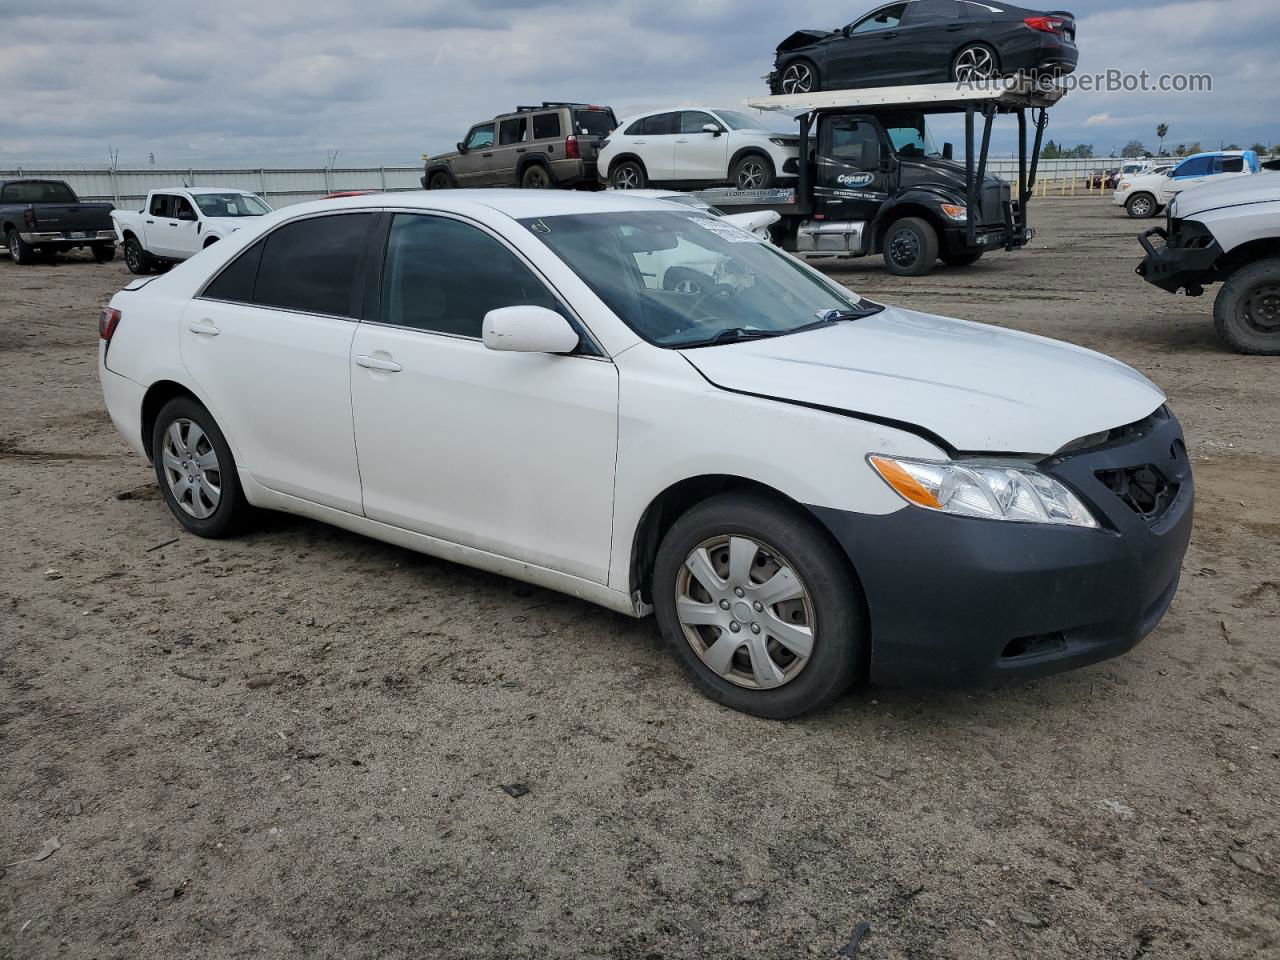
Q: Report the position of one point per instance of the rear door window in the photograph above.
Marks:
(1229, 165)
(933, 12)
(692, 121)
(313, 265)
(546, 126)
(512, 131)
(661, 124)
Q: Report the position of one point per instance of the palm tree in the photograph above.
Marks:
(1162, 131)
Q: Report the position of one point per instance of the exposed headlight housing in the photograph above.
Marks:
(778, 141)
(989, 489)
(956, 211)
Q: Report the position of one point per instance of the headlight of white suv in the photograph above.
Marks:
(991, 489)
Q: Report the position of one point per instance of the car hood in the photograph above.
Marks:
(978, 387)
(231, 223)
(803, 38)
(1228, 192)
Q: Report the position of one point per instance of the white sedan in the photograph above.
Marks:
(697, 147)
(806, 487)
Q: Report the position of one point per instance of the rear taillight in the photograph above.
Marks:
(1045, 24)
(29, 217)
(107, 322)
(571, 148)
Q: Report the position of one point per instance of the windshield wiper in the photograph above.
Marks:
(734, 334)
(826, 317)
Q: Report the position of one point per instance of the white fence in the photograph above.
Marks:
(278, 186)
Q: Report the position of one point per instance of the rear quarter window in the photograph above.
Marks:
(235, 282)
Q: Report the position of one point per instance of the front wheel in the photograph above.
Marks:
(196, 470)
(136, 259)
(753, 172)
(799, 76)
(439, 181)
(104, 252)
(910, 247)
(628, 175)
(1141, 206)
(759, 607)
(1246, 313)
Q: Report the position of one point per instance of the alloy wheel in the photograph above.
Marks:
(745, 612)
(132, 256)
(626, 178)
(688, 286)
(975, 63)
(751, 175)
(1261, 309)
(191, 468)
(15, 253)
(797, 78)
(535, 178)
(1141, 206)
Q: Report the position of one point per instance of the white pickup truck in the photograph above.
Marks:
(178, 223)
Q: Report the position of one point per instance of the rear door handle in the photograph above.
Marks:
(521, 149)
(683, 140)
(377, 363)
(954, 27)
(204, 328)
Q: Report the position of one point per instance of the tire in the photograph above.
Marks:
(536, 177)
(136, 258)
(910, 247)
(830, 607)
(439, 181)
(961, 259)
(975, 61)
(687, 280)
(753, 172)
(104, 252)
(1141, 206)
(628, 175)
(20, 252)
(799, 76)
(1246, 313)
(194, 505)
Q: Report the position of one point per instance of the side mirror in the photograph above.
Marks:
(462, 147)
(188, 215)
(712, 128)
(528, 329)
(948, 152)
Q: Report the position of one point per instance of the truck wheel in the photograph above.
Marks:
(1247, 311)
(628, 175)
(961, 259)
(104, 252)
(536, 177)
(910, 247)
(20, 251)
(439, 181)
(753, 172)
(137, 259)
(759, 607)
(1141, 206)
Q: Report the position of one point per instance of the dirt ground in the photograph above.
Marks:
(294, 744)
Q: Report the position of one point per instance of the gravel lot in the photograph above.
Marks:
(295, 743)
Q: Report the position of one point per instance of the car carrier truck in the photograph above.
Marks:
(870, 181)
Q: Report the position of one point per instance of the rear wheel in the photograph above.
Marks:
(104, 252)
(136, 259)
(1246, 313)
(799, 76)
(536, 177)
(910, 247)
(975, 62)
(759, 606)
(628, 175)
(20, 251)
(196, 471)
(1141, 206)
(753, 172)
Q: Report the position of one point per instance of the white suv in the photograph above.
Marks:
(1145, 194)
(697, 147)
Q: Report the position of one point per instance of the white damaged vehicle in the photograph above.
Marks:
(806, 487)
(178, 223)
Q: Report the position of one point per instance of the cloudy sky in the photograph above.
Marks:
(262, 82)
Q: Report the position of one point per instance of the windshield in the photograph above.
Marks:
(910, 136)
(681, 279)
(740, 121)
(230, 205)
(593, 123)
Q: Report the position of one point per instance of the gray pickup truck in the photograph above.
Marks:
(45, 217)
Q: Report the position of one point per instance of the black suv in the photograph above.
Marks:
(552, 145)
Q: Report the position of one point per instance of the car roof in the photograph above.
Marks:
(202, 190)
(517, 204)
(1215, 153)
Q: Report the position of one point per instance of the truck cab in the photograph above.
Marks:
(178, 223)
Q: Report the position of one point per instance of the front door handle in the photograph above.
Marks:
(377, 363)
(889, 36)
(204, 328)
(521, 149)
(486, 154)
